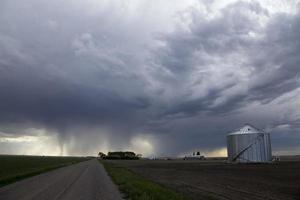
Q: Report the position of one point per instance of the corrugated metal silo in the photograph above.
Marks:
(249, 144)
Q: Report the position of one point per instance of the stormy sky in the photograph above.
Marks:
(159, 77)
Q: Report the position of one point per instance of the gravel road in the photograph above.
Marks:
(86, 180)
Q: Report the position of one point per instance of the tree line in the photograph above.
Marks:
(119, 155)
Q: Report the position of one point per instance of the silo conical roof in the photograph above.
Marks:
(246, 129)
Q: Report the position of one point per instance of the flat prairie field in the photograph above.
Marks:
(206, 180)
(14, 168)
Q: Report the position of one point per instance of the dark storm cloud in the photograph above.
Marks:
(57, 74)
(77, 68)
(65, 69)
(256, 63)
(269, 57)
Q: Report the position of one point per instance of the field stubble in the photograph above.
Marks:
(219, 180)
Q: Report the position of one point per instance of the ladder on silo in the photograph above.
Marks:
(246, 148)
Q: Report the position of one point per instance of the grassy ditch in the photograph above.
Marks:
(136, 187)
(15, 168)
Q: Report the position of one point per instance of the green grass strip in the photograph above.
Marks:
(135, 187)
(17, 177)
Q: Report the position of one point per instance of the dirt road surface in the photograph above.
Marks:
(86, 180)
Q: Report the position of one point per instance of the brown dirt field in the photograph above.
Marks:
(220, 180)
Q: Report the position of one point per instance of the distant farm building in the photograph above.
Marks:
(249, 144)
(195, 156)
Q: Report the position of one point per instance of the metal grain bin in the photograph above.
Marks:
(249, 144)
